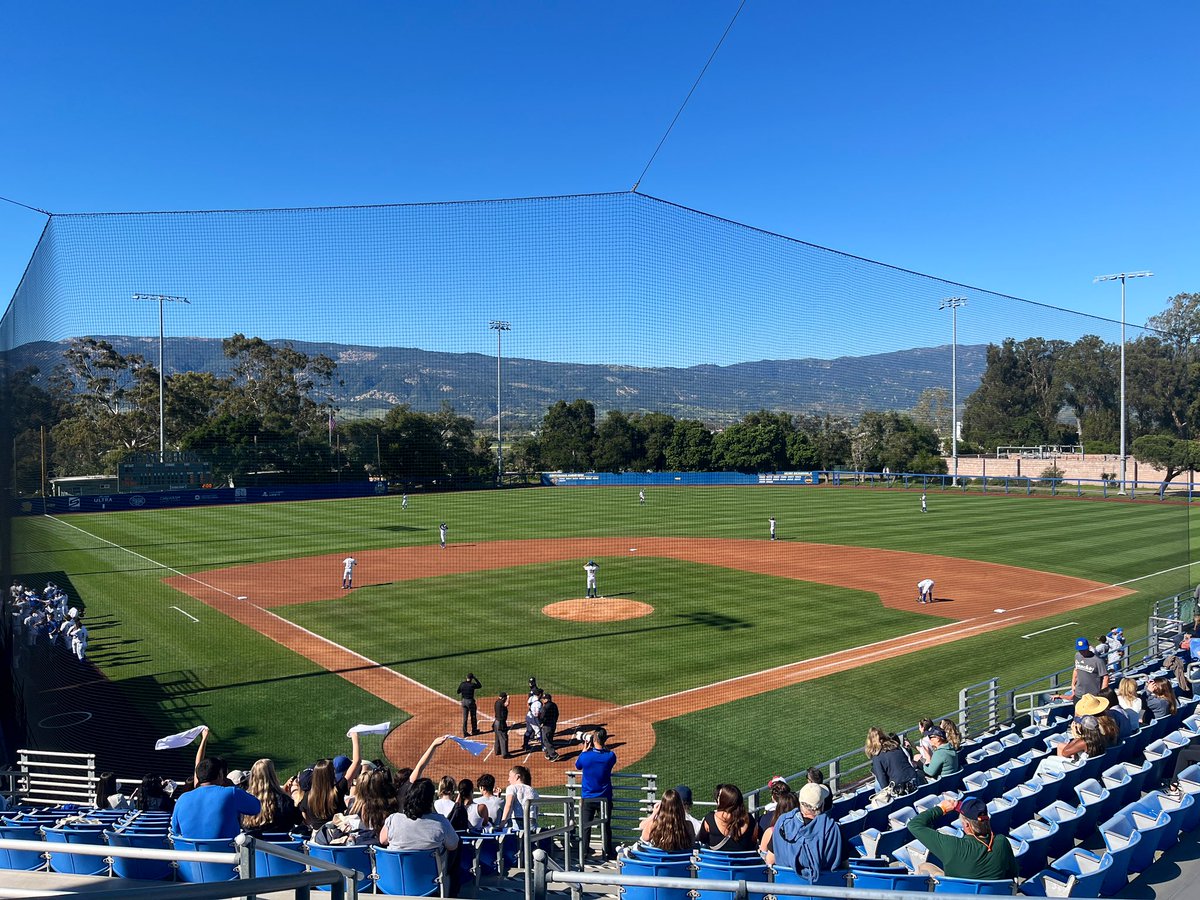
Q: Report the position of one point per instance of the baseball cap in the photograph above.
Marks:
(813, 795)
(685, 794)
(1082, 644)
(934, 731)
(305, 780)
(341, 765)
(237, 776)
(973, 808)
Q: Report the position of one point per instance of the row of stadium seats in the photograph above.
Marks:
(413, 873)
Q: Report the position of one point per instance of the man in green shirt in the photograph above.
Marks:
(979, 854)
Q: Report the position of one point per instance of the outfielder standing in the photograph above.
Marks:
(348, 565)
(642, 501)
(924, 508)
(591, 569)
(404, 501)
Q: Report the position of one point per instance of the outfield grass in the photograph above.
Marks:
(262, 699)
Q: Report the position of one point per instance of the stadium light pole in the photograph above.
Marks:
(162, 419)
(952, 304)
(1122, 277)
(498, 326)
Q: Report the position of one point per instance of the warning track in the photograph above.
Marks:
(975, 588)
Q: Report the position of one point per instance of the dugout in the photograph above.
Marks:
(83, 485)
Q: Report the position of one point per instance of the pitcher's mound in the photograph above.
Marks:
(597, 610)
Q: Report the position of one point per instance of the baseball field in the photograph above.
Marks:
(714, 654)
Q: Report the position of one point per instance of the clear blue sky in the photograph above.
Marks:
(1023, 148)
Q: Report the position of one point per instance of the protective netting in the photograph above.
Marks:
(623, 280)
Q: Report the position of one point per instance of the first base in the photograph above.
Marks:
(633, 549)
(243, 598)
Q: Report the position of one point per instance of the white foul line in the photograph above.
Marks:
(319, 637)
(1044, 630)
(189, 615)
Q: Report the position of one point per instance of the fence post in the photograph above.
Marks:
(536, 890)
(834, 774)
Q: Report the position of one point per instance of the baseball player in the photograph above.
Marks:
(925, 590)
(772, 523)
(404, 501)
(591, 569)
(642, 502)
(924, 507)
(442, 534)
(79, 639)
(348, 565)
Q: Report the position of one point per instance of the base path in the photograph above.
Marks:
(974, 591)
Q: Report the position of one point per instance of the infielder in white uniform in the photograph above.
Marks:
(591, 569)
(79, 640)
(772, 523)
(925, 590)
(348, 565)
(442, 534)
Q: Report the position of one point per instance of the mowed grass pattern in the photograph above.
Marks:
(493, 626)
(263, 700)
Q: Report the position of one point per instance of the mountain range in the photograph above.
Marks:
(373, 379)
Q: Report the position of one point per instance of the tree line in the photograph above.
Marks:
(1038, 391)
(272, 417)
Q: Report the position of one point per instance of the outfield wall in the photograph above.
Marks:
(38, 506)
(677, 479)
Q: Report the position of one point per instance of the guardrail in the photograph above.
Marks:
(544, 876)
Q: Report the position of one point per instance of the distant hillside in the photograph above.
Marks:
(377, 378)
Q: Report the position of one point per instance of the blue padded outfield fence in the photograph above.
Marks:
(1000, 484)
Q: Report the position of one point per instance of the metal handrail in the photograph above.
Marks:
(741, 890)
(301, 882)
(109, 850)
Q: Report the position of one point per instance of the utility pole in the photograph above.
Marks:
(953, 303)
(1121, 277)
(162, 428)
(498, 326)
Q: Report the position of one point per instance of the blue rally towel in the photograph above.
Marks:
(472, 747)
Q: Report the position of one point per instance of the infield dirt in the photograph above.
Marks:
(979, 596)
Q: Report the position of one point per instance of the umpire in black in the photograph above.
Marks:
(467, 691)
(549, 724)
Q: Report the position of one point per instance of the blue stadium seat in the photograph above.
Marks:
(1038, 836)
(1066, 817)
(1088, 868)
(888, 880)
(1116, 779)
(1026, 799)
(1000, 812)
(707, 867)
(659, 868)
(410, 873)
(21, 860)
(943, 884)
(836, 878)
(1118, 833)
(1177, 810)
(1063, 882)
(1094, 798)
(203, 871)
(142, 869)
(266, 864)
(75, 863)
(348, 856)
